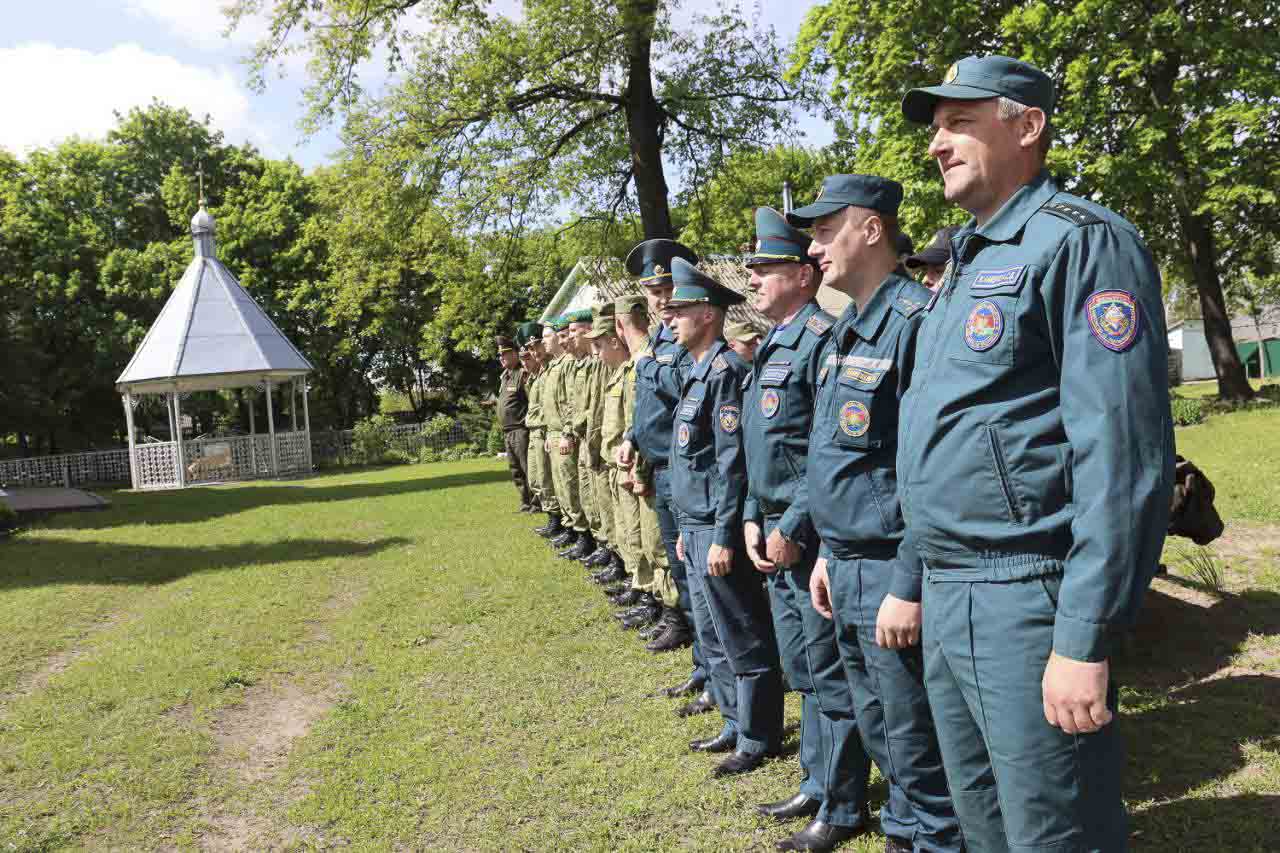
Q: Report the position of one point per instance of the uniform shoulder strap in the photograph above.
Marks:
(820, 323)
(1076, 214)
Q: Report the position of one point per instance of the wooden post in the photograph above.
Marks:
(271, 427)
(127, 398)
(293, 404)
(306, 422)
(182, 456)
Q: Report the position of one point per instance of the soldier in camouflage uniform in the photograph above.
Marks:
(512, 405)
(580, 379)
(557, 413)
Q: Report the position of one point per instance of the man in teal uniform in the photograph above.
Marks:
(657, 391)
(1036, 469)
(861, 579)
(708, 487)
(777, 411)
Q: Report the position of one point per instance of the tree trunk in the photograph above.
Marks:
(1203, 253)
(644, 125)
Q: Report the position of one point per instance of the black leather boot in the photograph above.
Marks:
(551, 529)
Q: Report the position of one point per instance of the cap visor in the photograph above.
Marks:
(918, 104)
(928, 258)
(803, 217)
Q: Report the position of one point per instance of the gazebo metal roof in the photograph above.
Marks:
(210, 334)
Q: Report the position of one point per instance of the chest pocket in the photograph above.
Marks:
(988, 301)
(771, 399)
(858, 420)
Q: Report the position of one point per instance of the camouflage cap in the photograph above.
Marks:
(629, 303)
(742, 332)
(602, 327)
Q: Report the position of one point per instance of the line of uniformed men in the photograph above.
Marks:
(955, 496)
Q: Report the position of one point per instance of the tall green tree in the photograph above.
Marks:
(576, 104)
(1168, 111)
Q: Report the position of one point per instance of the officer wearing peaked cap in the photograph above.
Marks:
(658, 382)
(777, 413)
(708, 486)
(865, 579)
(1041, 389)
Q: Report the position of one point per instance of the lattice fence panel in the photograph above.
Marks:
(291, 450)
(157, 466)
(70, 469)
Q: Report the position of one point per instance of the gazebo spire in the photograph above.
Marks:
(202, 225)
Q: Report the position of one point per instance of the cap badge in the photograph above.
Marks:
(769, 402)
(1113, 319)
(855, 420)
(951, 73)
(658, 269)
(985, 325)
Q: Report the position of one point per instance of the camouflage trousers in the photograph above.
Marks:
(638, 539)
(540, 472)
(564, 474)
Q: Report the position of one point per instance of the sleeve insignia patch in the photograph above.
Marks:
(1113, 319)
(719, 364)
(984, 326)
(855, 419)
(769, 402)
(682, 435)
(818, 324)
(992, 279)
(730, 417)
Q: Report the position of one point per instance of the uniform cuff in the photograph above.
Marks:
(824, 551)
(905, 584)
(751, 511)
(1080, 640)
(794, 524)
(727, 537)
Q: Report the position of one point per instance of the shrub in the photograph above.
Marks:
(427, 455)
(399, 456)
(8, 518)
(1187, 412)
(372, 438)
(436, 431)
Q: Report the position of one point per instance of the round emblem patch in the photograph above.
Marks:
(769, 402)
(855, 420)
(984, 327)
(682, 435)
(730, 416)
(1113, 319)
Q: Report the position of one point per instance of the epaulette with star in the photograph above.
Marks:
(1073, 213)
(819, 324)
(719, 364)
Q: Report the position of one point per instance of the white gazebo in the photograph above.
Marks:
(210, 336)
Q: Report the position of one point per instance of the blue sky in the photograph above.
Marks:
(68, 63)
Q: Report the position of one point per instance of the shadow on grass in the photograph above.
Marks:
(34, 561)
(1249, 822)
(203, 503)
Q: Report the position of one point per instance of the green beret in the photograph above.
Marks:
(559, 323)
(581, 315)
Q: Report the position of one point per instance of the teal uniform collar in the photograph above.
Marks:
(789, 336)
(867, 323)
(1012, 217)
(703, 367)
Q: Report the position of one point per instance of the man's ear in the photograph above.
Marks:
(1031, 125)
(873, 229)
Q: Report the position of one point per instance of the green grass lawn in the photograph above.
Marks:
(390, 659)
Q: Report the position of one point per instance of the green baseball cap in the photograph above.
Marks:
(977, 78)
(840, 191)
(602, 326)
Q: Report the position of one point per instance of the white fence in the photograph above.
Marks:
(212, 460)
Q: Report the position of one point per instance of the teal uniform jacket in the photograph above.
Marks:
(657, 390)
(1036, 437)
(777, 414)
(866, 364)
(708, 471)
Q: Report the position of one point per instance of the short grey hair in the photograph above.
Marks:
(1008, 109)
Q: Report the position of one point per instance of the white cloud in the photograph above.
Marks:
(57, 92)
(200, 22)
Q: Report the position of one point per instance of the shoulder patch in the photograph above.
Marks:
(1073, 213)
(719, 364)
(730, 417)
(818, 324)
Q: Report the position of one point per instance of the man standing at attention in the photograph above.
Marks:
(777, 411)
(708, 487)
(864, 580)
(513, 403)
(1037, 469)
